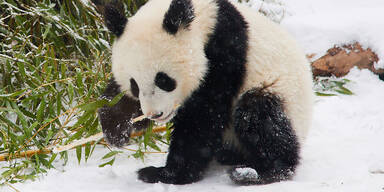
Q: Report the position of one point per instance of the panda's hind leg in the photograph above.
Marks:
(270, 144)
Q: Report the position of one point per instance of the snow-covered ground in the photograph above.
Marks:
(320, 24)
(344, 152)
(344, 149)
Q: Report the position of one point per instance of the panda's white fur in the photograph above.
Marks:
(274, 64)
(182, 57)
(274, 59)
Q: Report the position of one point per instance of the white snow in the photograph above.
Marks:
(344, 148)
(246, 172)
(343, 152)
(273, 9)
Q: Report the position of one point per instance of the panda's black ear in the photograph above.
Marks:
(179, 15)
(114, 17)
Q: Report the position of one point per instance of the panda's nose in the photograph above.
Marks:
(154, 115)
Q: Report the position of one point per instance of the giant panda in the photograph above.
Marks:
(242, 87)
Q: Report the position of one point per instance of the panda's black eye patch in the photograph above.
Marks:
(164, 82)
(134, 88)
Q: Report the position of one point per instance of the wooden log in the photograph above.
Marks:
(339, 60)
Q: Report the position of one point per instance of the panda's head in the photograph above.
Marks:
(158, 56)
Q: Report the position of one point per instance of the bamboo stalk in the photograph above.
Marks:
(29, 153)
(12, 187)
(142, 117)
(77, 143)
(379, 171)
(139, 118)
(98, 136)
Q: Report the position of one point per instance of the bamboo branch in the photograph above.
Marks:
(12, 187)
(95, 137)
(378, 171)
(98, 136)
(29, 153)
(142, 117)
(139, 118)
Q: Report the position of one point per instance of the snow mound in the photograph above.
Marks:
(245, 173)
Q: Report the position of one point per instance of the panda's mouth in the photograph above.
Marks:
(166, 118)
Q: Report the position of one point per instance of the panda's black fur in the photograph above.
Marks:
(270, 145)
(115, 120)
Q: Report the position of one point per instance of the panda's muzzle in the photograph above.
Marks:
(163, 118)
(155, 116)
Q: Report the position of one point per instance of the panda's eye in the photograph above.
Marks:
(164, 82)
(134, 88)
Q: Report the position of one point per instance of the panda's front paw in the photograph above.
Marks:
(150, 174)
(115, 120)
(117, 136)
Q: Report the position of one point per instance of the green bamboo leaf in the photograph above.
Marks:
(37, 159)
(21, 70)
(9, 123)
(7, 173)
(93, 106)
(71, 92)
(40, 110)
(64, 156)
(47, 29)
(59, 105)
(20, 116)
(108, 163)
(146, 138)
(27, 113)
(48, 137)
(324, 94)
(64, 70)
(76, 136)
(79, 81)
(346, 80)
(93, 129)
(87, 125)
(78, 153)
(339, 83)
(93, 148)
(82, 119)
(345, 91)
(138, 154)
(148, 134)
(48, 73)
(53, 157)
(28, 132)
(44, 161)
(35, 97)
(11, 95)
(111, 154)
(153, 146)
(87, 151)
(116, 99)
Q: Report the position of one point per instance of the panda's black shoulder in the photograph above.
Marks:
(226, 51)
(227, 48)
